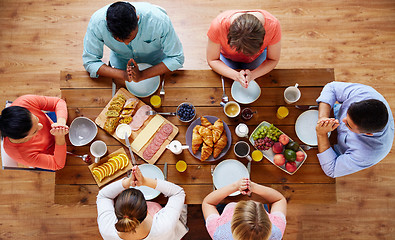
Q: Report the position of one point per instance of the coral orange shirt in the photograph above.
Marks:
(219, 28)
(41, 150)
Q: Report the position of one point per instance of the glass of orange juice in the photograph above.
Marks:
(156, 101)
(282, 112)
(257, 155)
(181, 166)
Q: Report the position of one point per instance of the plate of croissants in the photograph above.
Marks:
(208, 138)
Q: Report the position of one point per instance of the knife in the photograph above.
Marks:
(306, 107)
(165, 170)
(130, 149)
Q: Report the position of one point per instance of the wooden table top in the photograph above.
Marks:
(87, 97)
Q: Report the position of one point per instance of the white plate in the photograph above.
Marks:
(150, 171)
(228, 172)
(305, 127)
(245, 95)
(145, 87)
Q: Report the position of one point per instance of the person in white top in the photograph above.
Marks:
(132, 217)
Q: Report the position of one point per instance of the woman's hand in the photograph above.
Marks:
(139, 178)
(133, 72)
(241, 78)
(58, 129)
(243, 185)
(130, 181)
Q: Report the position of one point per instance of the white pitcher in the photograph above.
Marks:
(176, 147)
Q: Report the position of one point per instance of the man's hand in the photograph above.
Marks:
(326, 125)
(133, 71)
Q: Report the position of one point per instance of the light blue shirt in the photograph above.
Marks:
(156, 41)
(354, 152)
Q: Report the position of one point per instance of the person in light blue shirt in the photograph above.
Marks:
(365, 128)
(138, 33)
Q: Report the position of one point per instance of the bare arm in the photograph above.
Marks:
(215, 197)
(324, 110)
(213, 60)
(119, 76)
(274, 197)
(272, 59)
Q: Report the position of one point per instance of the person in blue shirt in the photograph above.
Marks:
(138, 33)
(364, 123)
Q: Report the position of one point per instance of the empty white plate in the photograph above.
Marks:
(150, 171)
(145, 87)
(305, 127)
(245, 95)
(228, 172)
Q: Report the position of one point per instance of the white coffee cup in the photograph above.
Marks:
(232, 109)
(292, 94)
(242, 150)
(98, 149)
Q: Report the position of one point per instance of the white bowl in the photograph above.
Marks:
(82, 131)
(145, 87)
(245, 95)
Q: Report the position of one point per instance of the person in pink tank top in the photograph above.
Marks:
(245, 219)
(244, 44)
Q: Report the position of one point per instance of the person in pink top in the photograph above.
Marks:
(30, 137)
(247, 40)
(245, 219)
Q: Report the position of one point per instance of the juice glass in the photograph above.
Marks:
(181, 166)
(257, 155)
(156, 101)
(282, 112)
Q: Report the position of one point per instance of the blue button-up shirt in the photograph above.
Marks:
(156, 41)
(354, 152)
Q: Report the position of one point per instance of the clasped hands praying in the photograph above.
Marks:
(325, 125)
(244, 77)
(135, 178)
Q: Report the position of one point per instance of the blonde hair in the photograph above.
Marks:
(246, 34)
(250, 221)
(130, 209)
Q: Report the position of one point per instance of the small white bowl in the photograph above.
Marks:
(82, 131)
(193, 107)
(121, 129)
(245, 95)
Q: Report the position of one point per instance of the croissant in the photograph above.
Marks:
(205, 122)
(217, 129)
(207, 135)
(206, 152)
(196, 139)
(220, 145)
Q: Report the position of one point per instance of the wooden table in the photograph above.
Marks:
(87, 97)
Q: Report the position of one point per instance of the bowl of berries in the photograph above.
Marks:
(186, 112)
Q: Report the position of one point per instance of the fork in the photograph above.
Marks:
(151, 112)
(212, 174)
(162, 90)
(307, 147)
(225, 98)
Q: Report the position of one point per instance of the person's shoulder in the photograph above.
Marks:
(99, 15)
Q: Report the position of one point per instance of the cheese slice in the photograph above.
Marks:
(146, 134)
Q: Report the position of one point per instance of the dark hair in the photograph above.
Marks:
(121, 20)
(130, 209)
(15, 122)
(370, 116)
(246, 34)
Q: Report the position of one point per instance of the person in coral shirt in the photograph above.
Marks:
(30, 137)
(247, 40)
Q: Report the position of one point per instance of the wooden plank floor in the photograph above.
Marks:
(38, 39)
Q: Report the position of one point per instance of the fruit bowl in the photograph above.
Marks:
(269, 154)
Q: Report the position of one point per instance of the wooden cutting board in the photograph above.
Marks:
(116, 174)
(101, 119)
